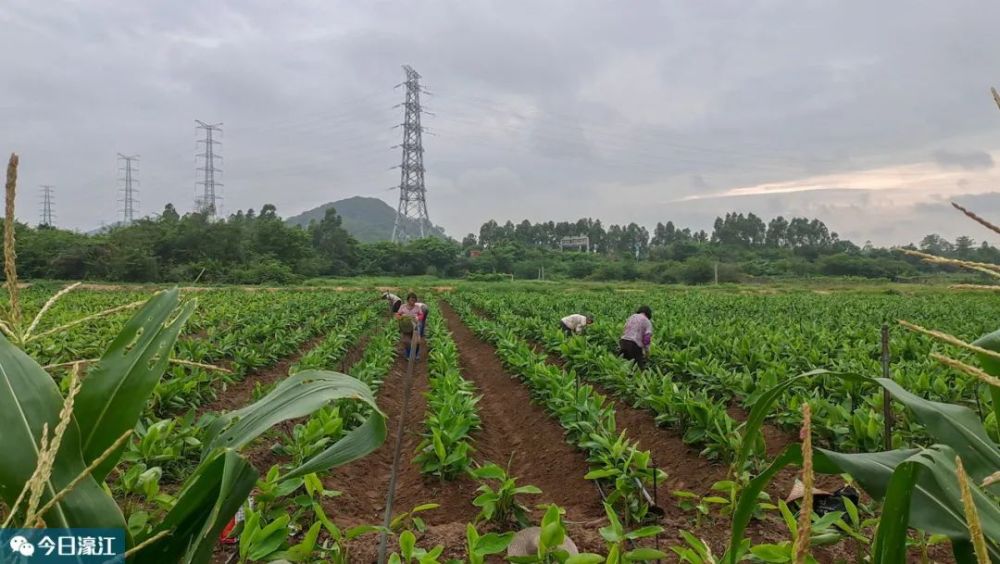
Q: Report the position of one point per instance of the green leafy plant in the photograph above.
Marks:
(916, 486)
(411, 520)
(410, 552)
(108, 405)
(823, 530)
(259, 540)
(501, 505)
(478, 547)
(336, 549)
(550, 540)
(445, 450)
(696, 551)
(700, 506)
(617, 539)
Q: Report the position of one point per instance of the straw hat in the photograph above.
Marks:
(525, 543)
(799, 491)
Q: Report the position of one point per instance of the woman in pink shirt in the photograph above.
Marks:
(637, 336)
(418, 313)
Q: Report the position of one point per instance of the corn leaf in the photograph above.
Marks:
(954, 425)
(209, 499)
(747, 501)
(296, 396)
(357, 443)
(992, 366)
(924, 488)
(116, 390)
(893, 525)
(762, 407)
(30, 398)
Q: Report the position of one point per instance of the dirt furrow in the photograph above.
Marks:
(240, 393)
(364, 483)
(260, 453)
(517, 430)
(686, 469)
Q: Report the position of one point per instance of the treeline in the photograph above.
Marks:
(738, 246)
(260, 248)
(733, 230)
(245, 248)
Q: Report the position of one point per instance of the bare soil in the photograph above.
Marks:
(240, 394)
(512, 425)
(364, 483)
(516, 429)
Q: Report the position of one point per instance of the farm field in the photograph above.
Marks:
(505, 418)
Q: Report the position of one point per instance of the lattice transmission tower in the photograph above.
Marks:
(208, 202)
(411, 214)
(128, 168)
(47, 215)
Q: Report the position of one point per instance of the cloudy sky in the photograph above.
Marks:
(868, 115)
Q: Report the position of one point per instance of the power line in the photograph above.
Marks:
(208, 202)
(412, 193)
(47, 215)
(128, 170)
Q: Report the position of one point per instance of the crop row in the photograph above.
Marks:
(168, 448)
(739, 364)
(451, 416)
(588, 418)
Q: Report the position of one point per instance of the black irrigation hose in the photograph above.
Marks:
(397, 451)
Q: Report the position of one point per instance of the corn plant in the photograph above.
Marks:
(916, 486)
(72, 464)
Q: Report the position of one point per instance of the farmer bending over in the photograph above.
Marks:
(637, 335)
(394, 301)
(413, 321)
(575, 323)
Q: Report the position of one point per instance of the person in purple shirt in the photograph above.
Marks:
(637, 336)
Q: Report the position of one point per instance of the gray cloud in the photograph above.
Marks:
(543, 110)
(966, 160)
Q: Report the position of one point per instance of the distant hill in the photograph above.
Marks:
(367, 219)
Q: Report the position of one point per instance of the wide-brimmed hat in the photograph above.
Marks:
(525, 543)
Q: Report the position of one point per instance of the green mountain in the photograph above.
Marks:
(367, 219)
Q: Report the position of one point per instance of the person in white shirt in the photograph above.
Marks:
(394, 301)
(575, 323)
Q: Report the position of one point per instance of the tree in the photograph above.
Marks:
(333, 244)
(489, 234)
(524, 233)
(936, 245)
(441, 254)
(963, 247)
(777, 233)
(469, 241)
(170, 214)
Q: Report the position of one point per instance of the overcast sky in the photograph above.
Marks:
(868, 115)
